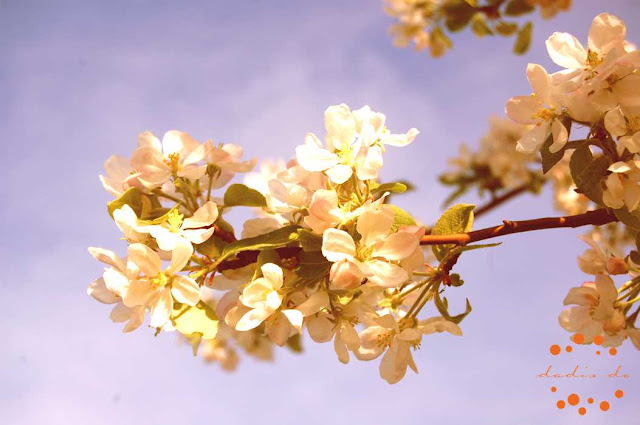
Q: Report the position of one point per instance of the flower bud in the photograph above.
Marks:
(617, 266)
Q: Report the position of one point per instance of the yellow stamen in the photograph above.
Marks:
(363, 253)
(546, 114)
(160, 280)
(593, 59)
(172, 161)
(174, 220)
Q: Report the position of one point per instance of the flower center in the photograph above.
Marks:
(384, 340)
(593, 59)
(545, 114)
(174, 220)
(345, 153)
(363, 253)
(160, 280)
(172, 161)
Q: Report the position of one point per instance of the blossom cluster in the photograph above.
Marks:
(597, 94)
(325, 253)
(599, 310)
(424, 22)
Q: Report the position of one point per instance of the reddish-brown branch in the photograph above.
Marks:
(590, 218)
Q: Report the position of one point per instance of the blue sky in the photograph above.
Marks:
(79, 80)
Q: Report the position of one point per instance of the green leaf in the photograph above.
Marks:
(396, 187)
(550, 159)
(461, 249)
(629, 219)
(212, 247)
(457, 219)
(225, 225)
(241, 195)
(132, 197)
(523, 40)
(588, 173)
(518, 8)
(200, 318)
(267, 256)
(160, 218)
(277, 238)
(312, 266)
(146, 207)
(505, 28)
(402, 218)
(580, 160)
(479, 26)
(309, 240)
(443, 308)
(455, 280)
(458, 15)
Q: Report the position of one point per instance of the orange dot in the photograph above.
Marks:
(597, 353)
(590, 401)
(604, 406)
(555, 349)
(613, 351)
(619, 394)
(598, 340)
(554, 389)
(569, 348)
(582, 411)
(573, 399)
(560, 404)
(578, 338)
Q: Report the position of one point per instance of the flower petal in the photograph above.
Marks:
(565, 50)
(397, 246)
(313, 158)
(606, 33)
(160, 308)
(145, 258)
(180, 255)
(337, 245)
(140, 292)
(339, 173)
(252, 319)
(560, 136)
(185, 290)
(531, 142)
(273, 275)
(521, 109)
(386, 275)
(203, 217)
(375, 225)
(99, 291)
(540, 81)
